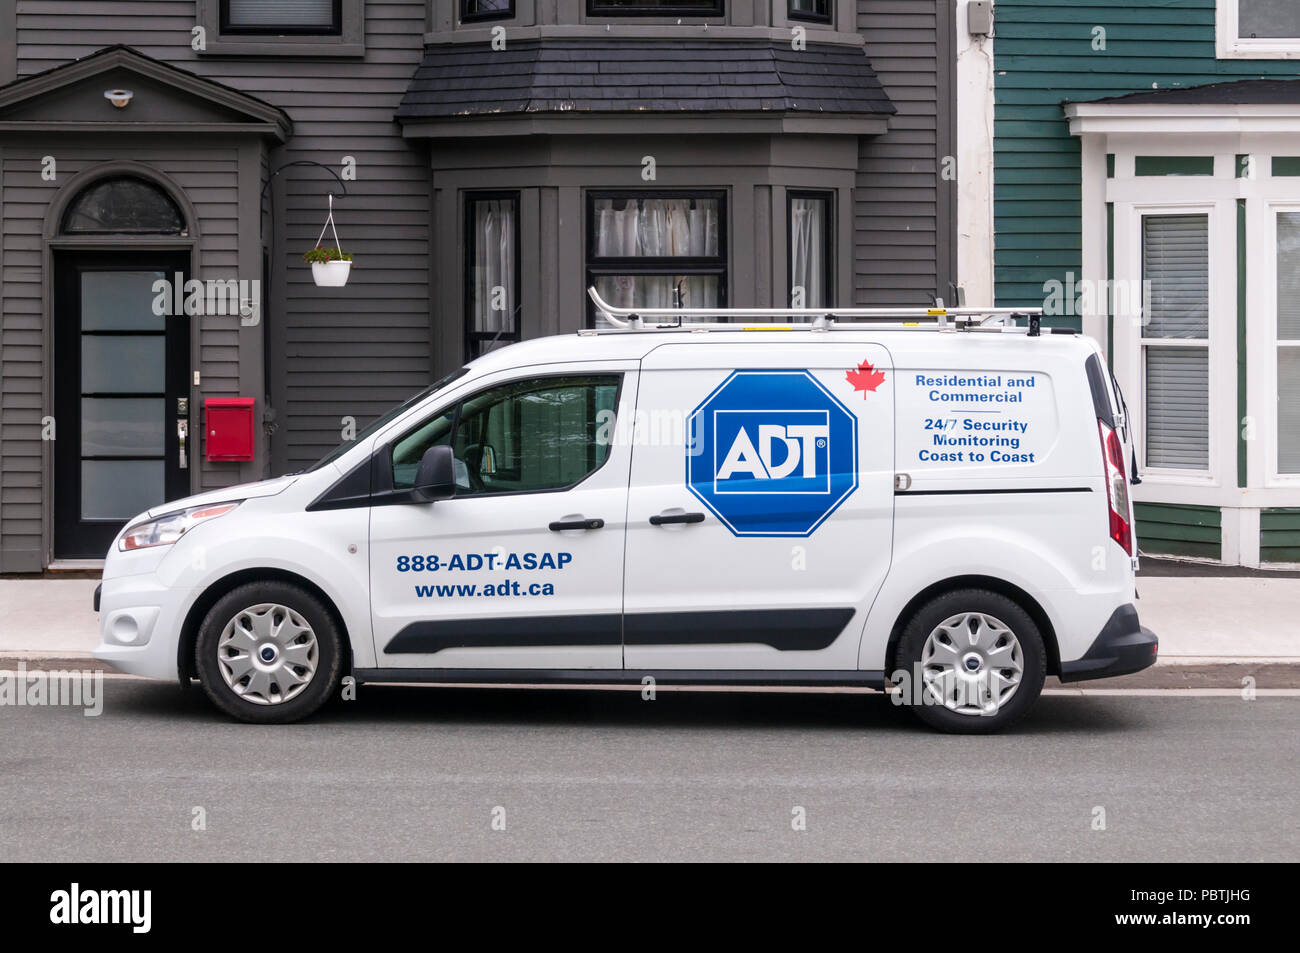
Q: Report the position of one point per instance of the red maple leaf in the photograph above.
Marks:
(865, 378)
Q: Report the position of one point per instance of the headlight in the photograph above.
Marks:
(165, 530)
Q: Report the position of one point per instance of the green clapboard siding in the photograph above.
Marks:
(1165, 529)
(1279, 535)
(1044, 57)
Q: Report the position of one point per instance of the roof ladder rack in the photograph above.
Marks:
(817, 319)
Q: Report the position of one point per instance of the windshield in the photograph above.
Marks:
(411, 401)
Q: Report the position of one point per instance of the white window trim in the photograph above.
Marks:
(1130, 342)
(1262, 345)
(1230, 46)
(1224, 131)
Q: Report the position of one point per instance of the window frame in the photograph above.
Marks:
(1272, 345)
(469, 334)
(396, 494)
(1135, 381)
(828, 240)
(811, 16)
(462, 8)
(234, 30)
(595, 8)
(1230, 44)
(350, 42)
(599, 267)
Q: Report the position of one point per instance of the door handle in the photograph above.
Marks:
(561, 525)
(182, 431)
(661, 520)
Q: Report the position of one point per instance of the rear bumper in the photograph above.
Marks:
(1122, 648)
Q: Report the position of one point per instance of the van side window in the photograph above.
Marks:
(545, 433)
(409, 450)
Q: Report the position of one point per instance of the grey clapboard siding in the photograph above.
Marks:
(904, 242)
(336, 353)
(209, 175)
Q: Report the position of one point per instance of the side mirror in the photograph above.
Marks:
(436, 477)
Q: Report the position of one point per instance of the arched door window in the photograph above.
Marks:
(123, 205)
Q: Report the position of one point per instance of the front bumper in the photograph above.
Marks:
(1122, 648)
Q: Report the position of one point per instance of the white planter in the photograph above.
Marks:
(330, 274)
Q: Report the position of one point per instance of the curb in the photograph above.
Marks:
(1202, 673)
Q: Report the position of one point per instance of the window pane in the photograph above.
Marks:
(492, 265)
(657, 291)
(808, 252)
(1178, 407)
(119, 301)
(1176, 263)
(122, 363)
(122, 426)
(1268, 18)
(686, 6)
(1288, 410)
(119, 489)
(1288, 276)
(410, 450)
(269, 13)
(656, 228)
(535, 435)
(817, 8)
(478, 8)
(123, 205)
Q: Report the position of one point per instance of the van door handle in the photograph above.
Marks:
(661, 520)
(561, 525)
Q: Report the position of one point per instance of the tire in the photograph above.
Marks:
(959, 652)
(269, 653)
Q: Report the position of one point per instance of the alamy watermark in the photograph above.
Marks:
(213, 296)
(54, 689)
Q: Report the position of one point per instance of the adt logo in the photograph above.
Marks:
(772, 453)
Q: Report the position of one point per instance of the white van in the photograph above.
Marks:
(941, 502)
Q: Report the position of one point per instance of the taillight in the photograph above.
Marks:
(1116, 487)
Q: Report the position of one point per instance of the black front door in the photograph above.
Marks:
(121, 389)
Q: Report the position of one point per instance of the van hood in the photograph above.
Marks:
(242, 491)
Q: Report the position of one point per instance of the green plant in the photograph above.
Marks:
(321, 254)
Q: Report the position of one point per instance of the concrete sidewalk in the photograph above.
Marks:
(1205, 623)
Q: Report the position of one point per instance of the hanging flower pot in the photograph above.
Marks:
(330, 267)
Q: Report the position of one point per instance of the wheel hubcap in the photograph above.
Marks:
(971, 664)
(267, 654)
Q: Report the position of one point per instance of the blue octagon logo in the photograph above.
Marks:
(772, 453)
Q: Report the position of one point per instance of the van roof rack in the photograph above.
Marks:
(817, 319)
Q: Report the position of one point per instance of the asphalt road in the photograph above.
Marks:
(416, 774)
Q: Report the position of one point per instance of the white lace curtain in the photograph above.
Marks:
(656, 228)
(808, 251)
(493, 267)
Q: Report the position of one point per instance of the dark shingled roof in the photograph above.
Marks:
(1265, 92)
(596, 75)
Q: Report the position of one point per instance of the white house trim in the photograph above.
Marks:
(974, 162)
(1230, 45)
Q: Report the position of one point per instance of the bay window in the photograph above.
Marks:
(815, 11)
(658, 249)
(491, 270)
(1175, 340)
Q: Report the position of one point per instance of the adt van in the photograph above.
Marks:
(942, 503)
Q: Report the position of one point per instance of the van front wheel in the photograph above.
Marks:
(973, 662)
(268, 652)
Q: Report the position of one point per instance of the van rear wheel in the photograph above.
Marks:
(974, 662)
(269, 653)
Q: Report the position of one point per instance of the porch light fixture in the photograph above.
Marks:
(119, 97)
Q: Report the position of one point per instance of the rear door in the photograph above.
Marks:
(760, 512)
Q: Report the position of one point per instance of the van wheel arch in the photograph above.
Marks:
(186, 666)
(1001, 586)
